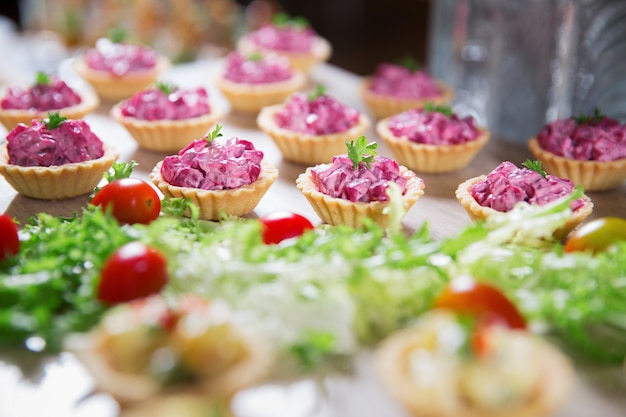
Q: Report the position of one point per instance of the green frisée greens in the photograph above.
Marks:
(329, 292)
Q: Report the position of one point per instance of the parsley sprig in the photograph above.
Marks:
(54, 120)
(535, 166)
(361, 151)
(166, 88)
(214, 134)
(118, 35)
(320, 90)
(41, 78)
(438, 108)
(594, 117)
(283, 19)
(409, 63)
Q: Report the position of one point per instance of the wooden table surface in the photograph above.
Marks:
(438, 207)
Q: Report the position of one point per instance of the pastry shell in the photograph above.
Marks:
(114, 88)
(302, 61)
(167, 135)
(251, 98)
(12, 117)
(216, 204)
(392, 365)
(434, 159)
(56, 182)
(337, 211)
(477, 212)
(384, 106)
(306, 148)
(591, 175)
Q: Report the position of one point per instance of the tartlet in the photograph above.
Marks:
(111, 84)
(583, 207)
(267, 79)
(56, 180)
(589, 150)
(312, 140)
(227, 194)
(548, 374)
(338, 209)
(394, 88)
(432, 140)
(161, 130)
(49, 89)
(291, 38)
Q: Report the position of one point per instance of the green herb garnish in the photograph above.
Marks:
(118, 35)
(255, 57)
(315, 346)
(409, 63)
(42, 78)
(438, 108)
(54, 120)
(214, 134)
(535, 166)
(361, 151)
(166, 88)
(595, 117)
(320, 90)
(283, 19)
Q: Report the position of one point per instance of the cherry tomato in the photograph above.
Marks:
(467, 296)
(596, 235)
(133, 271)
(9, 239)
(283, 225)
(132, 200)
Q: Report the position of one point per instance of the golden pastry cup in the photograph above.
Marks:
(337, 211)
(251, 98)
(179, 404)
(477, 212)
(115, 88)
(216, 204)
(384, 106)
(591, 175)
(167, 135)
(56, 182)
(393, 368)
(306, 148)
(131, 388)
(434, 159)
(320, 52)
(12, 117)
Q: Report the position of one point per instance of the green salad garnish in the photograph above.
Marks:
(54, 120)
(283, 19)
(320, 90)
(535, 166)
(361, 151)
(41, 78)
(594, 117)
(214, 134)
(439, 108)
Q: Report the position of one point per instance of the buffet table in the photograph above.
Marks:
(31, 385)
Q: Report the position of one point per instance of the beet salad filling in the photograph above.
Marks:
(214, 166)
(48, 93)
(508, 185)
(318, 114)
(120, 58)
(401, 82)
(45, 144)
(364, 184)
(167, 103)
(257, 69)
(603, 139)
(433, 127)
(285, 37)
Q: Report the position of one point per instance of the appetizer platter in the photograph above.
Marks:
(338, 343)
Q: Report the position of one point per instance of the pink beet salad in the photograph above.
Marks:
(52, 142)
(48, 93)
(507, 185)
(587, 138)
(257, 69)
(363, 184)
(166, 102)
(285, 34)
(403, 82)
(316, 114)
(211, 165)
(120, 58)
(433, 125)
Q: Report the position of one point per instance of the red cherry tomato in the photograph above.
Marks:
(132, 200)
(133, 271)
(283, 225)
(596, 235)
(481, 300)
(9, 239)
